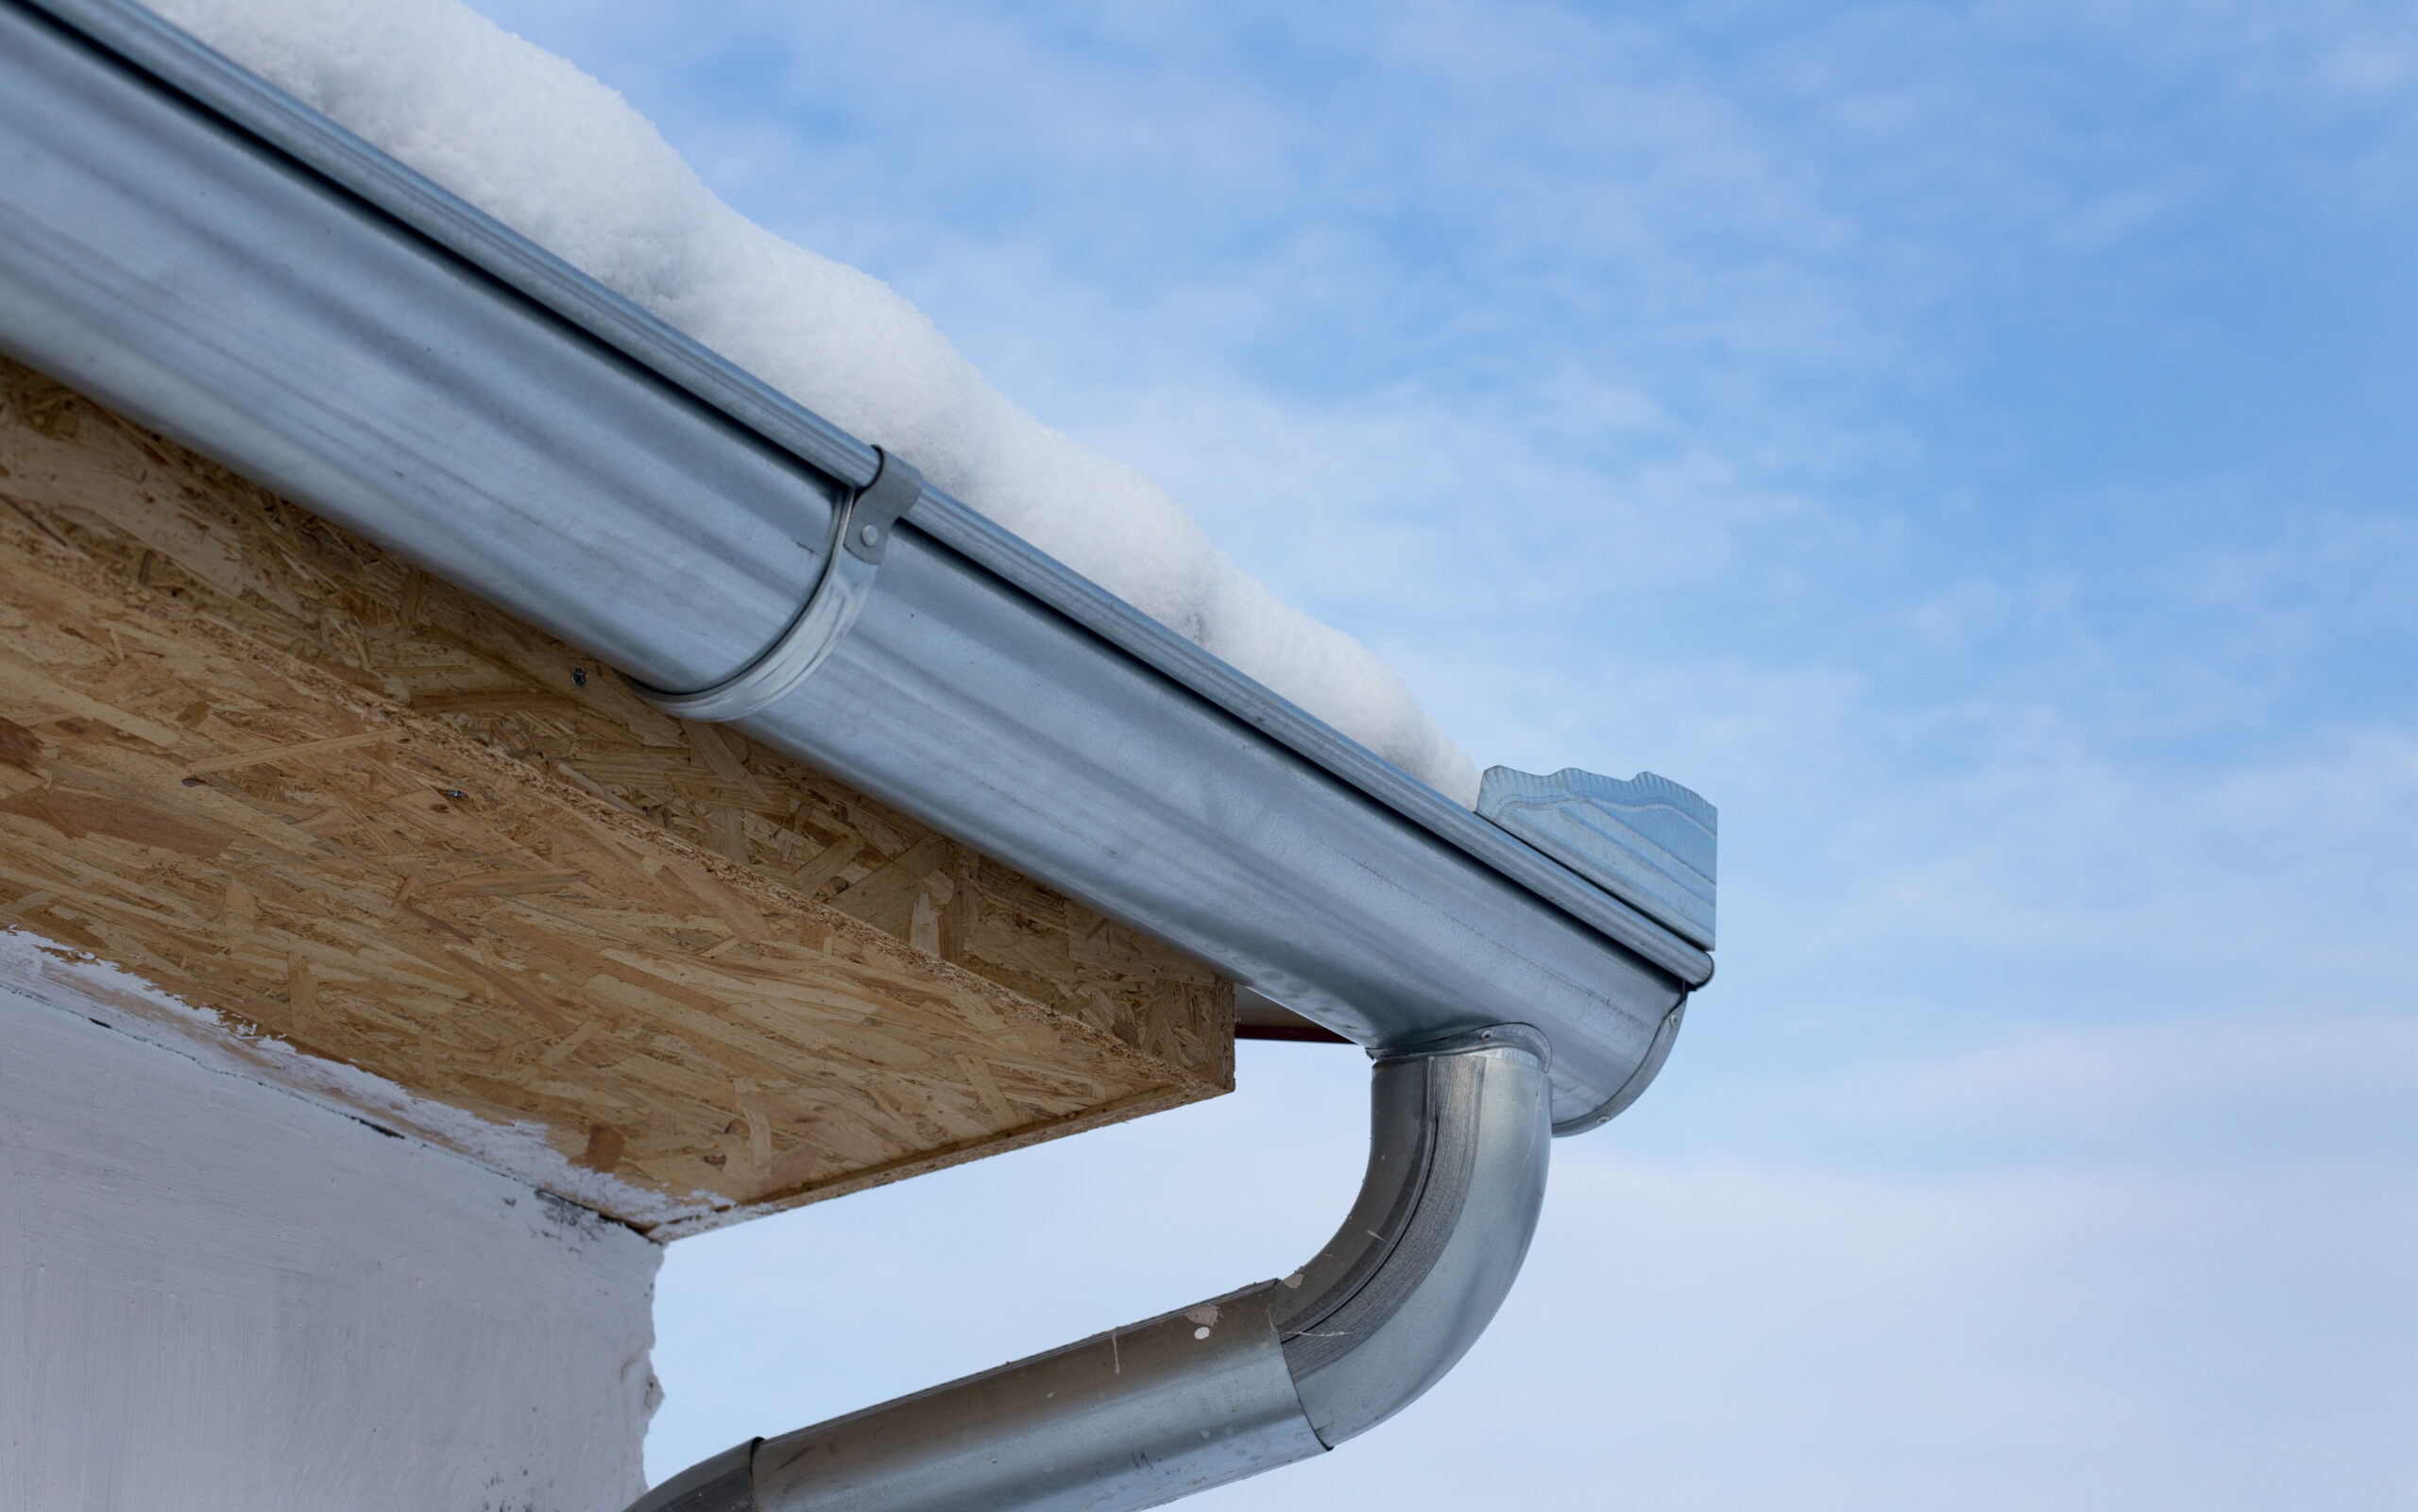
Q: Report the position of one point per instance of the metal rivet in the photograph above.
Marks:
(870, 535)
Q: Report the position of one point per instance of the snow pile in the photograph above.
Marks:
(568, 163)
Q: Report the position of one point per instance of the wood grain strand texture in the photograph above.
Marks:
(283, 776)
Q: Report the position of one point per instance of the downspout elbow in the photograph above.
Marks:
(1460, 1132)
(1276, 1372)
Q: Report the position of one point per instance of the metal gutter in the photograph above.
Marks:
(190, 245)
(312, 139)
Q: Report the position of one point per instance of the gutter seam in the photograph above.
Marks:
(860, 529)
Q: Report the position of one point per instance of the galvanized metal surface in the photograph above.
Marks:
(1648, 840)
(1232, 1386)
(1130, 1419)
(986, 543)
(956, 695)
(1458, 1147)
(860, 530)
(587, 470)
(174, 265)
(268, 114)
(1665, 1035)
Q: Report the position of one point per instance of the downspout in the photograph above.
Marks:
(1139, 1416)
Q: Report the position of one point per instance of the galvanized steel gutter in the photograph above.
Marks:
(194, 246)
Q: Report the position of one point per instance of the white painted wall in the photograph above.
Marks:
(216, 1295)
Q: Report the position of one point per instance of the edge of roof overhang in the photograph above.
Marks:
(695, 461)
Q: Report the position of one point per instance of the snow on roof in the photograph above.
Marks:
(568, 163)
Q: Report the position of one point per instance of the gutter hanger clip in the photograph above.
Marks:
(861, 531)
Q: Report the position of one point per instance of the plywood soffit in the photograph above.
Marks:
(263, 766)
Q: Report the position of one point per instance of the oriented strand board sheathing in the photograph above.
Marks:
(258, 762)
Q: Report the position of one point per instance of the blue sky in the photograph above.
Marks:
(1972, 445)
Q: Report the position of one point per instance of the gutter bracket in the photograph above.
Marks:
(861, 531)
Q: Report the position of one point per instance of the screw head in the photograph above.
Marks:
(870, 535)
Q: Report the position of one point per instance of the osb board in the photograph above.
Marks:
(259, 763)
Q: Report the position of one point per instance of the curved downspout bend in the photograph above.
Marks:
(1459, 1135)
(1276, 1372)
